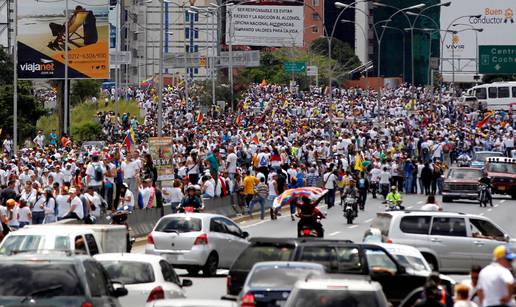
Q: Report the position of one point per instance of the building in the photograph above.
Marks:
(6, 38)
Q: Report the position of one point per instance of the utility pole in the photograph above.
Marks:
(15, 85)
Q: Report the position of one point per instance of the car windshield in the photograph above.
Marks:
(468, 174)
(279, 277)
(260, 253)
(481, 156)
(502, 168)
(179, 224)
(335, 298)
(129, 272)
(412, 262)
(39, 279)
(17, 243)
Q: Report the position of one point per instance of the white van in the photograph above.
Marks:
(82, 239)
(495, 96)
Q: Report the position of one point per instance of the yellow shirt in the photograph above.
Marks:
(248, 183)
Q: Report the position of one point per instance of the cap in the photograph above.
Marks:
(501, 251)
(72, 191)
(10, 202)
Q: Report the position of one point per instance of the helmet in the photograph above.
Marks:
(190, 188)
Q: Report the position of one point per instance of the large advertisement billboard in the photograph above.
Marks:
(496, 20)
(160, 149)
(42, 37)
(267, 26)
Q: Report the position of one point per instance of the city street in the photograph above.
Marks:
(336, 228)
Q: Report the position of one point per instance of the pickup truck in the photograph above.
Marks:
(338, 257)
(81, 239)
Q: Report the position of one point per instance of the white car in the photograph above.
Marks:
(146, 277)
(191, 303)
(197, 241)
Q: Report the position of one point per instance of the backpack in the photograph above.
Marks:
(361, 183)
(98, 172)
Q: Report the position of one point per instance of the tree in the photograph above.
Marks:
(29, 109)
(498, 78)
(84, 89)
(340, 51)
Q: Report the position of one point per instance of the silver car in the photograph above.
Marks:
(450, 242)
(197, 241)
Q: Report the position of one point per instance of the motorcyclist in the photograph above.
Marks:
(394, 196)
(352, 192)
(191, 199)
(464, 159)
(486, 180)
(309, 216)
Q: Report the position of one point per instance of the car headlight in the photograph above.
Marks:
(446, 186)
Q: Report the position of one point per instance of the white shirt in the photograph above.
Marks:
(329, 179)
(90, 171)
(465, 304)
(210, 188)
(23, 214)
(76, 201)
(172, 195)
(232, 163)
(128, 203)
(430, 207)
(63, 206)
(95, 200)
(130, 169)
(493, 280)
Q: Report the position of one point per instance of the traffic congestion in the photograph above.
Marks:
(398, 198)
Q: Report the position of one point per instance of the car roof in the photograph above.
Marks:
(63, 231)
(339, 284)
(294, 241)
(429, 213)
(400, 249)
(288, 264)
(465, 168)
(129, 257)
(194, 214)
(55, 256)
(193, 303)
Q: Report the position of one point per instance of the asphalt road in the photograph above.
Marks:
(336, 228)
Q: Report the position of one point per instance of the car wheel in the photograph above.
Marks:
(447, 199)
(211, 266)
(432, 262)
(193, 271)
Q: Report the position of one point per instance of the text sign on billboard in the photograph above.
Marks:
(269, 26)
(182, 60)
(294, 66)
(160, 149)
(120, 57)
(312, 70)
(42, 36)
(497, 59)
(240, 58)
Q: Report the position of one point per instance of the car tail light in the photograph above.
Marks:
(156, 294)
(389, 241)
(150, 239)
(228, 283)
(201, 240)
(248, 300)
(87, 304)
(306, 232)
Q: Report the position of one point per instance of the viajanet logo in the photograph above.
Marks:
(44, 67)
(456, 43)
(494, 16)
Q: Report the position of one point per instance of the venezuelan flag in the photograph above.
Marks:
(129, 139)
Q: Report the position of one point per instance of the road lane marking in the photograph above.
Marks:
(353, 226)
(502, 201)
(409, 207)
(482, 213)
(496, 206)
(489, 210)
(420, 202)
(368, 220)
(334, 233)
(255, 224)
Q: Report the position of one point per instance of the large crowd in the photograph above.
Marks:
(276, 139)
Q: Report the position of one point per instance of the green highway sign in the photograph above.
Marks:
(497, 59)
(294, 66)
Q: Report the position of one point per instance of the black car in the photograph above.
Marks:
(338, 257)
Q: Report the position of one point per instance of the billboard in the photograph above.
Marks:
(4, 25)
(266, 26)
(496, 20)
(160, 149)
(42, 36)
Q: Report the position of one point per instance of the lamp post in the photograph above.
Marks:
(476, 30)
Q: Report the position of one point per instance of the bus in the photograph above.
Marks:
(495, 96)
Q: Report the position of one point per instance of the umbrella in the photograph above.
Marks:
(313, 193)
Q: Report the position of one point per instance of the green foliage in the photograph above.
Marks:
(29, 110)
(340, 51)
(87, 131)
(84, 89)
(498, 78)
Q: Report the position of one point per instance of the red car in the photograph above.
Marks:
(503, 175)
(461, 183)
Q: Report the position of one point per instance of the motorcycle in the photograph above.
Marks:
(189, 209)
(484, 195)
(309, 230)
(464, 161)
(394, 206)
(349, 209)
(120, 218)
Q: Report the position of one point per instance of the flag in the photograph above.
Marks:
(358, 163)
(410, 104)
(487, 116)
(129, 139)
(200, 118)
(255, 140)
(285, 104)
(238, 120)
(264, 83)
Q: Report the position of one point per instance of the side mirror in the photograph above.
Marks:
(245, 234)
(120, 289)
(402, 270)
(506, 238)
(186, 283)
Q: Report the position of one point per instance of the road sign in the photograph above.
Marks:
(182, 60)
(294, 66)
(312, 70)
(497, 59)
(240, 58)
(120, 57)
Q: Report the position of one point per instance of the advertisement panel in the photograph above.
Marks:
(161, 152)
(267, 26)
(496, 20)
(4, 29)
(42, 36)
